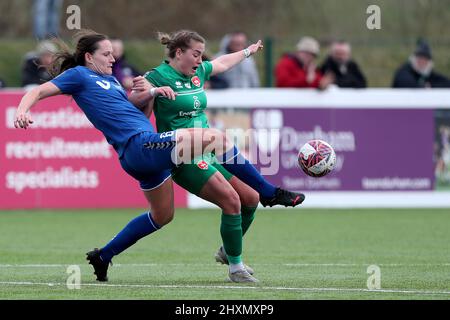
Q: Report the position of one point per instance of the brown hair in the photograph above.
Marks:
(178, 39)
(86, 41)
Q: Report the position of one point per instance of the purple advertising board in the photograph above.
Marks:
(377, 149)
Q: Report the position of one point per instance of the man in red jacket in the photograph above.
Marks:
(299, 70)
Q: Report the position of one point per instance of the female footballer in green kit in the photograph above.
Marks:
(183, 76)
(185, 73)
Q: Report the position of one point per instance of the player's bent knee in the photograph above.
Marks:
(231, 202)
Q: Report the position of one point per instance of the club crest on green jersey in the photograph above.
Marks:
(202, 164)
(196, 81)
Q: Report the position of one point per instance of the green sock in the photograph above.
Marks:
(248, 214)
(231, 232)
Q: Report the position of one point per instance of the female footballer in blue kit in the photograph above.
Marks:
(145, 155)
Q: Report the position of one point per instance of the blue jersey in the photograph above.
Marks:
(105, 103)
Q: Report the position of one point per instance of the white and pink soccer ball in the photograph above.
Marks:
(316, 158)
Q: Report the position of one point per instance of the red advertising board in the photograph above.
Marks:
(61, 161)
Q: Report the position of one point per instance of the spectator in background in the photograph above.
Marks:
(418, 71)
(46, 15)
(345, 71)
(298, 70)
(2, 83)
(215, 81)
(243, 75)
(33, 69)
(122, 70)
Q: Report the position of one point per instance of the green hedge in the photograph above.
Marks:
(378, 61)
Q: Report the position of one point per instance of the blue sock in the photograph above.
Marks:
(235, 163)
(136, 229)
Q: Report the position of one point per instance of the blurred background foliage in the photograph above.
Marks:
(379, 52)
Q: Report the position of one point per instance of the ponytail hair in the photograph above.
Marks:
(86, 42)
(178, 39)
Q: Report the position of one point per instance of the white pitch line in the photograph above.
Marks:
(366, 264)
(254, 264)
(114, 265)
(53, 284)
(33, 265)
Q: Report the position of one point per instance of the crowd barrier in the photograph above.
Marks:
(392, 146)
(392, 149)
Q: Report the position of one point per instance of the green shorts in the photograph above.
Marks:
(194, 176)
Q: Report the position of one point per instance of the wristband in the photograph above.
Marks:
(153, 92)
(247, 53)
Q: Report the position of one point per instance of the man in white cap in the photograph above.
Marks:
(299, 70)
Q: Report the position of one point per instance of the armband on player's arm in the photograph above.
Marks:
(140, 99)
(163, 91)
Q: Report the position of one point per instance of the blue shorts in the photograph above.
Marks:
(148, 158)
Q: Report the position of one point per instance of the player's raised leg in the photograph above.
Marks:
(195, 141)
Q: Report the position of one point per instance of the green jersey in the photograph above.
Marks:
(187, 110)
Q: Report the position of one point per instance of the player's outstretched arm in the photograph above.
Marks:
(227, 61)
(22, 118)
